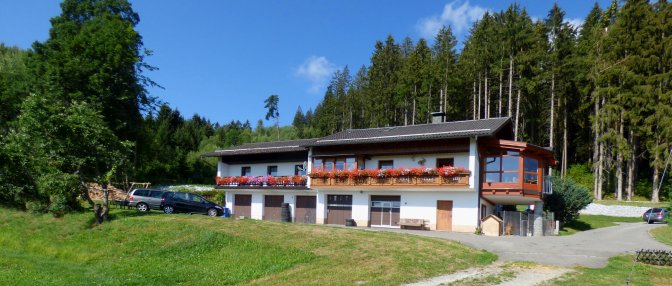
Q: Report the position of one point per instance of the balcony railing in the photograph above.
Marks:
(262, 181)
(459, 179)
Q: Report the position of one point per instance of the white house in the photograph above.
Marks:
(447, 174)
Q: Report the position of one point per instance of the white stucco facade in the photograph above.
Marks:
(257, 169)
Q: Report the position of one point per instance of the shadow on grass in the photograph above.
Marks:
(578, 225)
(116, 213)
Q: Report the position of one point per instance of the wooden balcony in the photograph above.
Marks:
(460, 180)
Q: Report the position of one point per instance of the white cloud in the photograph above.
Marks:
(459, 17)
(575, 22)
(316, 70)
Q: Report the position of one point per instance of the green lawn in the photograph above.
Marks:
(616, 273)
(663, 234)
(153, 248)
(588, 222)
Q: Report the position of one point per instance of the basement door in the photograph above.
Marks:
(385, 211)
(273, 207)
(305, 209)
(339, 207)
(242, 205)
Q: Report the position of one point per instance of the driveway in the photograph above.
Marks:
(589, 248)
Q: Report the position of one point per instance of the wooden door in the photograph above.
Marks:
(339, 207)
(242, 205)
(305, 209)
(444, 215)
(272, 207)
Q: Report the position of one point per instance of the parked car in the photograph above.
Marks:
(181, 202)
(655, 215)
(145, 199)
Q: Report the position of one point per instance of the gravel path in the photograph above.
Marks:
(589, 248)
(522, 276)
(624, 211)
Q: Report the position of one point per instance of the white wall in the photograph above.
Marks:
(460, 159)
(422, 205)
(260, 169)
(474, 164)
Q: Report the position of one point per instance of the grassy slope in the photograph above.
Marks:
(588, 222)
(663, 234)
(616, 273)
(153, 248)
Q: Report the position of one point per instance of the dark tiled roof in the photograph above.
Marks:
(263, 148)
(446, 130)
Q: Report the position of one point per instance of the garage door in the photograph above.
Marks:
(272, 207)
(242, 205)
(385, 210)
(339, 207)
(305, 209)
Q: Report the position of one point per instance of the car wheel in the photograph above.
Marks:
(168, 209)
(142, 207)
(650, 222)
(212, 212)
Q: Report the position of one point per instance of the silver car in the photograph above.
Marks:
(145, 199)
(655, 215)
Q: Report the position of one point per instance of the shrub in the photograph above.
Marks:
(567, 200)
(582, 175)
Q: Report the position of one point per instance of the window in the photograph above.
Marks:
(156, 194)
(502, 168)
(531, 171)
(386, 164)
(141, 193)
(318, 164)
(328, 165)
(246, 171)
(441, 162)
(298, 170)
(272, 171)
(340, 164)
(195, 198)
(180, 196)
(350, 163)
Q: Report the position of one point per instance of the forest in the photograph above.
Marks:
(76, 107)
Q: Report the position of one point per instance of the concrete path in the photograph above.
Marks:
(589, 248)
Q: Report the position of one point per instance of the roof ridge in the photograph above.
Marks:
(423, 124)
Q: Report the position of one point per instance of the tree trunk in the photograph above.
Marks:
(565, 159)
(501, 74)
(515, 136)
(479, 97)
(413, 117)
(656, 182)
(473, 92)
(510, 83)
(596, 150)
(486, 96)
(632, 167)
(600, 172)
(551, 129)
(619, 163)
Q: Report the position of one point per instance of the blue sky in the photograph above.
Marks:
(221, 59)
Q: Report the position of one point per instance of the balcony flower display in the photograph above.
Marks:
(449, 171)
(261, 181)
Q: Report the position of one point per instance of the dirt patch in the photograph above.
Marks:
(500, 274)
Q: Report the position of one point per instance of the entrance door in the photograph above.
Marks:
(444, 215)
(242, 205)
(339, 207)
(305, 209)
(385, 210)
(272, 207)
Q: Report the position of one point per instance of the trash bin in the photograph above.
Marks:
(227, 212)
(350, 222)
